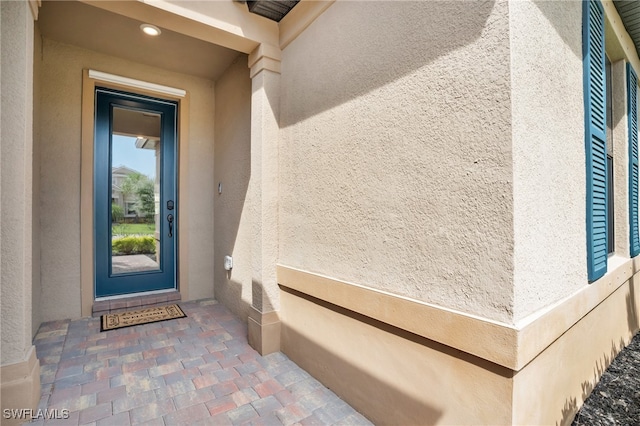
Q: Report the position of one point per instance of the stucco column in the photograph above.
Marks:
(19, 369)
(264, 324)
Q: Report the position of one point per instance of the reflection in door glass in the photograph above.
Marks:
(135, 192)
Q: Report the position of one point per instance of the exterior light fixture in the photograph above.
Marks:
(151, 30)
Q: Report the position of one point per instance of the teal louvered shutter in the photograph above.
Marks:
(595, 137)
(632, 126)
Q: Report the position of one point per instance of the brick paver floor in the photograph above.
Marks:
(198, 370)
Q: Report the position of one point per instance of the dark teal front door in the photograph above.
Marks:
(135, 205)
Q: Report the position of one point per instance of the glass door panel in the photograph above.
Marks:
(135, 191)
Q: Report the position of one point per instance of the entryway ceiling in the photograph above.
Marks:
(89, 27)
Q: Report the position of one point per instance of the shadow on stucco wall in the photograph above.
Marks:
(355, 47)
(571, 406)
(632, 308)
(384, 401)
(566, 19)
(232, 169)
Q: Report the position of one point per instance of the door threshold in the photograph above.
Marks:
(134, 301)
(128, 295)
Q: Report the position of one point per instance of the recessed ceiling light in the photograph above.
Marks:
(151, 30)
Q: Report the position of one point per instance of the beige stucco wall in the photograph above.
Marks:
(395, 155)
(337, 218)
(620, 148)
(264, 184)
(232, 169)
(60, 172)
(19, 367)
(16, 136)
(548, 153)
(548, 150)
(37, 285)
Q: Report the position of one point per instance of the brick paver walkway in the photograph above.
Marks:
(197, 370)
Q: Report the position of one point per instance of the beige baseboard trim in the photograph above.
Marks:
(364, 360)
(20, 385)
(511, 346)
(264, 331)
(374, 366)
(486, 339)
(553, 386)
(540, 330)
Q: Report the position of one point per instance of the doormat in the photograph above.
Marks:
(143, 316)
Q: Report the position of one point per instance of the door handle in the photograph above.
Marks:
(170, 220)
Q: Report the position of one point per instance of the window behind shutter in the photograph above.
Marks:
(595, 137)
(632, 126)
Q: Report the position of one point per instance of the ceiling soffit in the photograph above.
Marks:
(97, 29)
(271, 9)
(629, 11)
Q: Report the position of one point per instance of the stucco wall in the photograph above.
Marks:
(232, 169)
(395, 156)
(16, 143)
(60, 172)
(37, 78)
(548, 152)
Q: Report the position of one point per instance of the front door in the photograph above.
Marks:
(135, 204)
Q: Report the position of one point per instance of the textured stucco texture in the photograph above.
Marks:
(395, 152)
(61, 81)
(36, 284)
(232, 168)
(548, 153)
(16, 135)
(264, 190)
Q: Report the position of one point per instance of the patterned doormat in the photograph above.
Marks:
(143, 316)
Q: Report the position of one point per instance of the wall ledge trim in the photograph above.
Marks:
(264, 57)
(484, 338)
(509, 345)
(264, 64)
